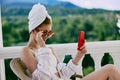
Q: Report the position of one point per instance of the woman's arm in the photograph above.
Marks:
(28, 59)
(67, 70)
(79, 55)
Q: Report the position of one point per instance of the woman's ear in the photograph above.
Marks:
(33, 31)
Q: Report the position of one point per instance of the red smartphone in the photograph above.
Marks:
(81, 39)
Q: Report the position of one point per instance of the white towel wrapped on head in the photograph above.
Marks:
(37, 15)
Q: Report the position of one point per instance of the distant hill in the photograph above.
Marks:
(30, 1)
(63, 4)
(17, 4)
(54, 7)
(52, 3)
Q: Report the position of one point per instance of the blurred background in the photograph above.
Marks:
(69, 17)
(97, 18)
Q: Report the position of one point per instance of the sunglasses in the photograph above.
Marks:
(47, 34)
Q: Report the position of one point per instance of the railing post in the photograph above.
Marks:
(2, 65)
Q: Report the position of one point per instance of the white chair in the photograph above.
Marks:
(19, 69)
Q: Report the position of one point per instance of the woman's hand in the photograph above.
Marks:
(82, 50)
(79, 55)
(39, 39)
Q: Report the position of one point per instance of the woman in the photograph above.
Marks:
(42, 61)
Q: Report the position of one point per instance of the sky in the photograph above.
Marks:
(104, 4)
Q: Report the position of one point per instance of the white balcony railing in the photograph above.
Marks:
(96, 49)
(2, 67)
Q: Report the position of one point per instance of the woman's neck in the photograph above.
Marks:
(33, 45)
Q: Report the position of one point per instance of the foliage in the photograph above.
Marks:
(8, 72)
(107, 59)
(88, 64)
(99, 25)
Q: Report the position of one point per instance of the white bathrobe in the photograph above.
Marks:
(47, 67)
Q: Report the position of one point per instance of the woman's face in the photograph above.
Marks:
(47, 31)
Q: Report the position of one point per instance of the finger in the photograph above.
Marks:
(82, 46)
(50, 35)
(40, 33)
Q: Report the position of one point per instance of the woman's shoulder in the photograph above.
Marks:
(25, 51)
